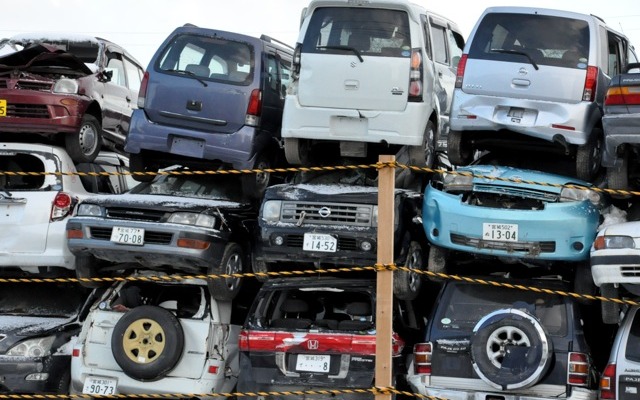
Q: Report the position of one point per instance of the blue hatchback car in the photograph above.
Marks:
(211, 99)
(483, 210)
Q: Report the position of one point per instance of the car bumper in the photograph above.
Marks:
(619, 129)
(532, 394)
(394, 127)
(562, 231)
(45, 113)
(237, 149)
(29, 375)
(616, 266)
(491, 114)
(160, 248)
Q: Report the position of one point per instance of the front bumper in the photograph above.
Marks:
(616, 266)
(619, 129)
(33, 375)
(42, 112)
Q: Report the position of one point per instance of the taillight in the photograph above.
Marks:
(623, 95)
(255, 107)
(296, 62)
(578, 369)
(61, 207)
(142, 92)
(243, 341)
(75, 353)
(608, 382)
(590, 82)
(422, 358)
(415, 76)
(462, 64)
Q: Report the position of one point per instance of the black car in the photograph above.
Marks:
(180, 222)
(330, 218)
(36, 334)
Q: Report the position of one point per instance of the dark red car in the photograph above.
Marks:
(78, 90)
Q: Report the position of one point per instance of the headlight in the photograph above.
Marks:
(271, 210)
(614, 242)
(457, 182)
(33, 348)
(575, 194)
(89, 210)
(188, 218)
(66, 86)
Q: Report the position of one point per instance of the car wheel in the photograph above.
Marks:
(510, 349)
(459, 149)
(88, 267)
(64, 382)
(588, 157)
(296, 151)
(610, 310)
(583, 282)
(437, 262)
(424, 155)
(254, 184)
(618, 178)
(83, 146)
(137, 164)
(147, 342)
(407, 285)
(226, 289)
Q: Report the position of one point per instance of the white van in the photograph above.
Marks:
(370, 75)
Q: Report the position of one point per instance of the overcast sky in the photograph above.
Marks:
(141, 25)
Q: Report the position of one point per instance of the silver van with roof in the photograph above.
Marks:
(535, 79)
(370, 76)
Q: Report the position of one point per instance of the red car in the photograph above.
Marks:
(78, 90)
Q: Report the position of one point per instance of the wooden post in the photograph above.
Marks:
(384, 302)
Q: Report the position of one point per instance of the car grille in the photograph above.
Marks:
(150, 237)
(31, 85)
(135, 214)
(630, 271)
(344, 244)
(516, 191)
(532, 248)
(27, 111)
(338, 214)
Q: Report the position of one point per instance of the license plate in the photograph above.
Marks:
(103, 386)
(516, 112)
(313, 363)
(500, 232)
(122, 235)
(3, 108)
(319, 242)
(187, 147)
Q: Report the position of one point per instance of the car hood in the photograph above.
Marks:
(156, 202)
(20, 325)
(325, 192)
(39, 55)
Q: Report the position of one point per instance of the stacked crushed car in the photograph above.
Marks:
(527, 132)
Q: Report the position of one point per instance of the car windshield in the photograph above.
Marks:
(359, 177)
(214, 187)
(51, 300)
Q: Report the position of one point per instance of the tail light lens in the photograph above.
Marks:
(608, 382)
(296, 62)
(623, 95)
(254, 109)
(422, 358)
(415, 76)
(578, 369)
(142, 92)
(62, 206)
(462, 64)
(590, 82)
(243, 341)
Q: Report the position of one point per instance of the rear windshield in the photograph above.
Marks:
(209, 58)
(540, 39)
(633, 343)
(369, 31)
(22, 171)
(467, 304)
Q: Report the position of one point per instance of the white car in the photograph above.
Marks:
(615, 265)
(35, 207)
(156, 337)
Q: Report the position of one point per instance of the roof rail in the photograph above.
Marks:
(269, 39)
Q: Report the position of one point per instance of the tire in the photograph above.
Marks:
(459, 149)
(296, 151)
(83, 146)
(88, 267)
(137, 164)
(407, 285)
(226, 289)
(618, 178)
(583, 282)
(510, 349)
(589, 156)
(610, 310)
(147, 342)
(254, 184)
(437, 262)
(424, 155)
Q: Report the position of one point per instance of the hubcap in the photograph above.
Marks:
(234, 266)
(88, 139)
(500, 339)
(144, 341)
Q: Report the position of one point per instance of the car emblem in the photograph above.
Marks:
(523, 71)
(353, 65)
(312, 344)
(396, 91)
(324, 212)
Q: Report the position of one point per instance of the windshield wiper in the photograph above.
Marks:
(189, 73)
(522, 53)
(345, 48)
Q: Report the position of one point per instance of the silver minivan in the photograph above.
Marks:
(620, 379)
(535, 79)
(370, 75)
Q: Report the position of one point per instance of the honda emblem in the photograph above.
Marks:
(312, 344)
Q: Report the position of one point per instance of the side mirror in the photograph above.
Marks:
(106, 75)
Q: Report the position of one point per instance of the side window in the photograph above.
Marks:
(438, 35)
(134, 74)
(116, 66)
(272, 72)
(456, 44)
(615, 60)
(427, 37)
(285, 76)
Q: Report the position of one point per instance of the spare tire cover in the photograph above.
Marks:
(510, 349)
(147, 342)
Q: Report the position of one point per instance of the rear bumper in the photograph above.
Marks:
(576, 394)
(619, 129)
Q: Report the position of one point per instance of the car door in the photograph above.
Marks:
(117, 98)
